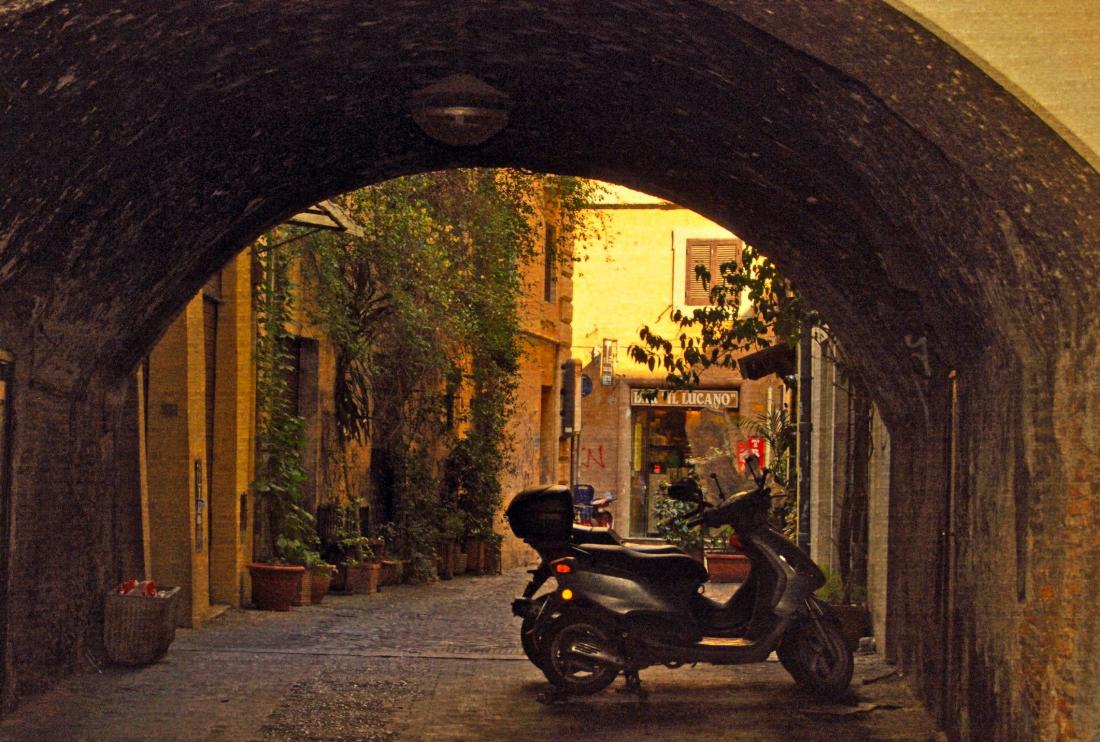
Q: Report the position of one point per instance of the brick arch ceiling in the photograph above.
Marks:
(907, 194)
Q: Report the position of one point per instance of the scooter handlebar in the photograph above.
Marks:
(725, 514)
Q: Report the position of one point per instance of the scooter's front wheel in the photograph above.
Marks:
(817, 657)
(564, 654)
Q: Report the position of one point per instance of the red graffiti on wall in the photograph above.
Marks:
(593, 457)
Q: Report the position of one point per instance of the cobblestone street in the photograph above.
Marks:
(438, 661)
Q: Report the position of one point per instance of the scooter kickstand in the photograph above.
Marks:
(634, 685)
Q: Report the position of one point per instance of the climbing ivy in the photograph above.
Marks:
(422, 311)
(284, 529)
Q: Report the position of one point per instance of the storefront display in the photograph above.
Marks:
(673, 432)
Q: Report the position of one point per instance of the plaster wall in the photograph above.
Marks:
(176, 439)
(1044, 53)
(632, 273)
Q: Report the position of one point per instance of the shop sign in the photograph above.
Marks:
(607, 361)
(754, 445)
(717, 399)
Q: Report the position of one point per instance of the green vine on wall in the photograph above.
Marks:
(423, 315)
(284, 530)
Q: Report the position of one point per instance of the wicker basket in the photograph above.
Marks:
(138, 630)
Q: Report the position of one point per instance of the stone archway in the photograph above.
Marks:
(911, 198)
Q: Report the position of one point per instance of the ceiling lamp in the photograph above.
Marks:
(460, 110)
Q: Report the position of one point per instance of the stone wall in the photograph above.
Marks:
(934, 220)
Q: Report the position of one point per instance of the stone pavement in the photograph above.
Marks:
(438, 662)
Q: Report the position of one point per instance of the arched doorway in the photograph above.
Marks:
(936, 222)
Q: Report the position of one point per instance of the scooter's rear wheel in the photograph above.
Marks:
(817, 657)
(569, 669)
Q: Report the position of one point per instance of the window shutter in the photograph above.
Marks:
(727, 251)
(698, 253)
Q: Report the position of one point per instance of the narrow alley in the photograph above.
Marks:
(441, 662)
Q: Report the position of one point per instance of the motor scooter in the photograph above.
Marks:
(619, 609)
(590, 510)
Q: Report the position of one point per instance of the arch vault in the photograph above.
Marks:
(913, 200)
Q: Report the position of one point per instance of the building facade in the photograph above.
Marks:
(636, 435)
(197, 423)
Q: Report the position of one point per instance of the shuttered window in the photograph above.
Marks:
(711, 254)
(549, 264)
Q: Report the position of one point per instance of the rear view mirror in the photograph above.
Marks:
(751, 464)
(685, 491)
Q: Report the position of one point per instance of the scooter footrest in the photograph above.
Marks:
(723, 641)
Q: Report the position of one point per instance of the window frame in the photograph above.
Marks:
(680, 268)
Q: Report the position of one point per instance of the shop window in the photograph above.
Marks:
(670, 443)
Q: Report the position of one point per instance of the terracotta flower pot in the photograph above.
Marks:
(853, 622)
(728, 567)
(305, 589)
(475, 555)
(392, 572)
(492, 561)
(362, 579)
(447, 551)
(319, 583)
(274, 586)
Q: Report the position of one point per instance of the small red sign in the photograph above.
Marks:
(753, 445)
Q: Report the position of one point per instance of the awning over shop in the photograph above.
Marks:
(778, 359)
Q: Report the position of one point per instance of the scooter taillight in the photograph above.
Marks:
(562, 566)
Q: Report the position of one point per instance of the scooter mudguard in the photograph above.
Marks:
(797, 575)
(628, 601)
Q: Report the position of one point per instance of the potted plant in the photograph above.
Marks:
(300, 552)
(849, 604)
(274, 586)
(284, 531)
(321, 578)
(493, 543)
(472, 483)
(344, 546)
(726, 562)
(362, 576)
(670, 520)
(475, 553)
(277, 582)
(452, 525)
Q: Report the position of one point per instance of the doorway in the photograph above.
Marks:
(661, 455)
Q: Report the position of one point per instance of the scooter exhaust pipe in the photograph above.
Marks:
(596, 653)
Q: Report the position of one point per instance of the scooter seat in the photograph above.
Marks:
(655, 567)
(654, 548)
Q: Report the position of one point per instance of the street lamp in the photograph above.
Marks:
(460, 110)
